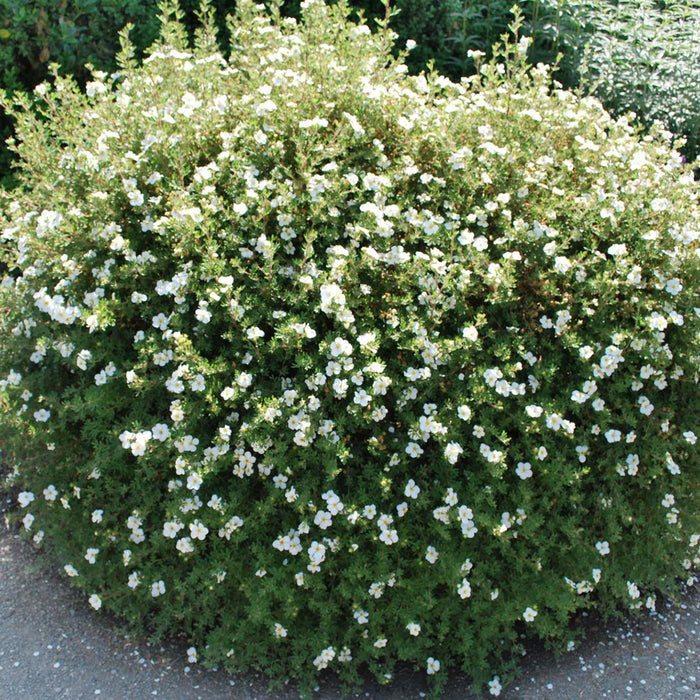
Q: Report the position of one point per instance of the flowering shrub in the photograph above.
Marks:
(36, 33)
(635, 55)
(328, 366)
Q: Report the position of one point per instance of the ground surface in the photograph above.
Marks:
(53, 645)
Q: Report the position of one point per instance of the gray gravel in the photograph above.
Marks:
(53, 645)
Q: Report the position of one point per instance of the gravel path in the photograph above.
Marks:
(52, 645)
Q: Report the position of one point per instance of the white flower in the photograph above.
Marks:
(389, 537)
(613, 435)
(645, 406)
(331, 295)
(324, 658)
(340, 387)
(495, 686)
(198, 383)
(316, 552)
(366, 339)
(603, 547)
(25, 498)
(184, 545)
(323, 519)
(48, 221)
(155, 177)
(362, 398)
(175, 385)
(433, 666)
(470, 333)
(95, 601)
(554, 421)
(452, 452)
(524, 470)
(358, 131)
(157, 588)
(413, 449)
(617, 249)
(413, 629)
(254, 332)
(480, 243)
(42, 415)
(562, 264)
(117, 244)
(339, 347)
(160, 321)
(464, 412)
(412, 489)
(160, 432)
(361, 616)
(530, 614)
(171, 528)
(657, 322)
(244, 380)
(674, 286)
(198, 531)
(203, 315)
(464, 590)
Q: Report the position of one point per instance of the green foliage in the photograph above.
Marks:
(327, 365)
(11, 82)
(71, 33)
(644, 57)
(636, 56)
(470, 26)
(639, 57)
(431, 25)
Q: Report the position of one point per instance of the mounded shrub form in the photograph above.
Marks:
(328, 366)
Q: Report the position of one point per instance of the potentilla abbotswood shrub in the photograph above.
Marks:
(328, 366)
